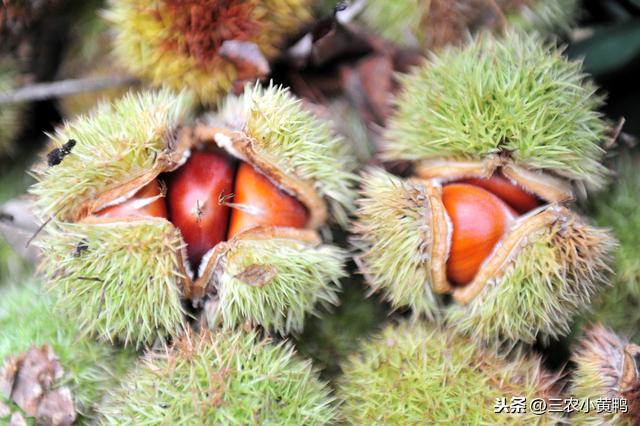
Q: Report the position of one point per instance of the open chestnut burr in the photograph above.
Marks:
(501, 136)
(147, 210)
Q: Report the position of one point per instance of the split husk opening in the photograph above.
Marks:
(180, 144)
(551, 190)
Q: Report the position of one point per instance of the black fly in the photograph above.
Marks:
(6, 217)
(56, 155)
(81, 247)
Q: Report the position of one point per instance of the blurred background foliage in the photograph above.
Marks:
(608, 38)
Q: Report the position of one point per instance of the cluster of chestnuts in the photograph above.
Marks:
(198, 199)
(223, 212)
(205, 234)
(485, 218)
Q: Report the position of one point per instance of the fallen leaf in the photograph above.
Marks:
(29, 381)
(57, 408)
(369, 85)
(38, 369)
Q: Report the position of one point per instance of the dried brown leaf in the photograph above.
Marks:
(57, 408)
(257, 275)
(17, 420)
(38, 370)
(247, 57)
(29, 379)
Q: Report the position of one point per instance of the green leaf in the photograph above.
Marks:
(609, 49)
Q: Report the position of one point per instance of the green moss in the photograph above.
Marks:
(27, 318)
(225, 378)
(514, 96)
(412, 374)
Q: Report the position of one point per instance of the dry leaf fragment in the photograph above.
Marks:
(257, 275)
(247, 57)
(17, 420)
(29, 379)
(57, 408)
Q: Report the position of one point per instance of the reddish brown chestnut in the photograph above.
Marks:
(479, 220)
(147, 202)
(259, 202)
(195, 195)
(521, 200)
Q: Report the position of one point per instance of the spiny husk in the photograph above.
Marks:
(393, 237)
(270, 277)
(435, 24)
(270, 129)
(545, 269)
(222, 378)
(122, 279)
(89, 55)
(416, 374)
(116, 143)
(514, 97)
(546, 17)
(290, 138)
(153, 41)
(554, 276)
(27, 318)
(272, 280)
(606, 367)
(119, 280)
(10, 115)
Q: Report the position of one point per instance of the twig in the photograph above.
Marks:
(41, 227)
(59, 89)
(35, 234)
